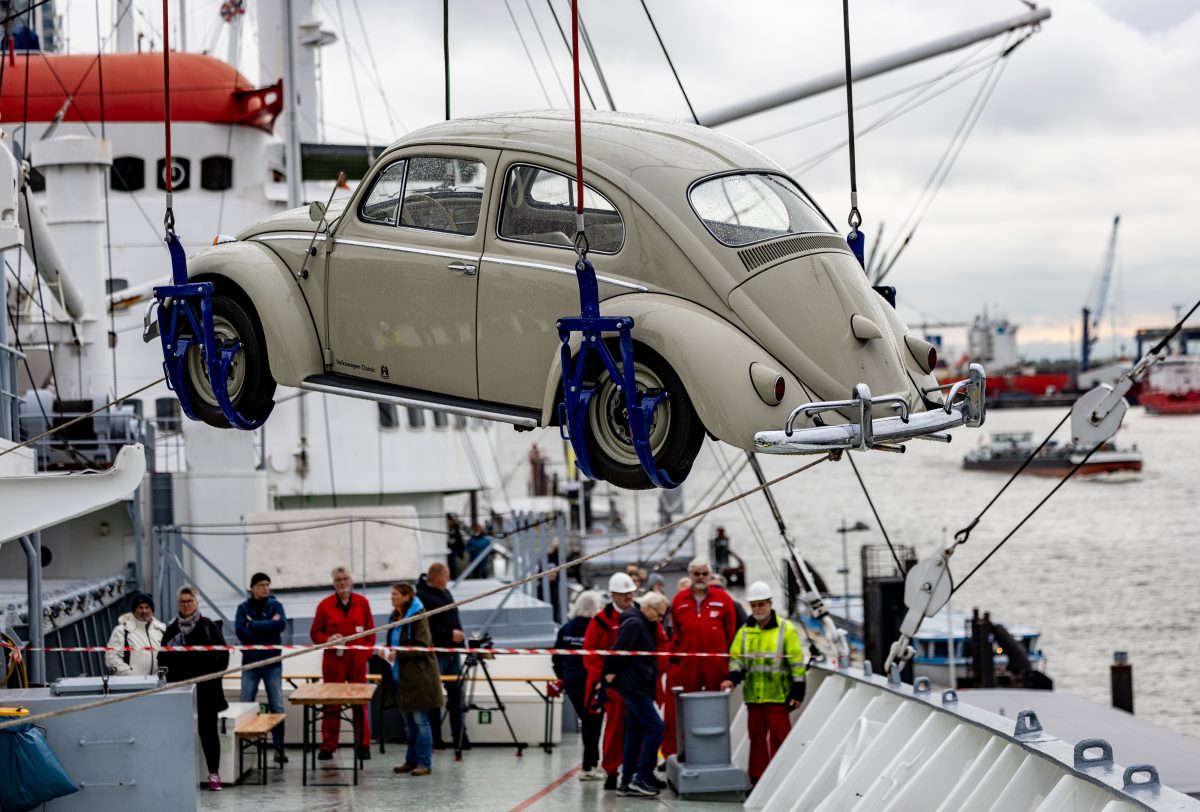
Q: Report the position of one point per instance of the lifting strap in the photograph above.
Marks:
(185, 312)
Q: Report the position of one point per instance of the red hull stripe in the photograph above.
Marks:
(203, 89)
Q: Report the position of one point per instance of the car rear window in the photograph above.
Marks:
(752, 207)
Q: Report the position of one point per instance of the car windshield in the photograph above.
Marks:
(743, 209)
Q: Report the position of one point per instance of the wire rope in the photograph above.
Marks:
(362, 113)
(946, 163)
(528, 55)
(570, 51)
(670, 63)
(546, 48)
(878, 521)
(112, 316)
(395, 123)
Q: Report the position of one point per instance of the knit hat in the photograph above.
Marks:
(139, 599)
(259, 576)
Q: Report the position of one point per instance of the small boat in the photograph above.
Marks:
(1173, 386)
(1006, 451)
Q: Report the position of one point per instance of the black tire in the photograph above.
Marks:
(251, 387)
(676, 432)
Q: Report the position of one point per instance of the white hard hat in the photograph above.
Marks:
(758, 591)
(620, 582)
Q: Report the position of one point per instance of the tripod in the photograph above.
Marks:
(473, 663)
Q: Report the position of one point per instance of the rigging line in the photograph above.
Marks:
(915, 100)
(691, 531)
(878, 521)
(570, 52)
(517, 584)
(377, 76)
(17, 15)
(947, 161)
(587, 44)
(112, 316)
(546, 48)
(533, 66)
(73, 421)
(329, 441)
(66, 445)
(670, 63)
(362, 113)
(27, 294)
(446, 50)
(711, 487)
(748, 515)
(237, 60)
(1026, 518)
(855, 218)
(969, 61)
(797, 570)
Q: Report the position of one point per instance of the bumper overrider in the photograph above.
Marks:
(963, 406)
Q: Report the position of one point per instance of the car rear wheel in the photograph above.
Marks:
(675, 429)
(250, 385)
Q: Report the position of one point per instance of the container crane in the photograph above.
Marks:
(1092, 317)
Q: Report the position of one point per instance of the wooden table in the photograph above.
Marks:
(346, 695)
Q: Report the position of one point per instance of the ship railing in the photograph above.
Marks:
(10, 401)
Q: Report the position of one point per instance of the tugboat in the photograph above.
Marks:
(1007, 450)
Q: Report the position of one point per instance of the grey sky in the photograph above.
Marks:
(1096, 114)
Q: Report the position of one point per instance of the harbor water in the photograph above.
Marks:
(1106, 565)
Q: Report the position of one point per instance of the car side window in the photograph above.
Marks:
(383, 202)
(443, 194)
(539, 207)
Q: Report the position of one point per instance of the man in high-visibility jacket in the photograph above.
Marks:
(772, 682)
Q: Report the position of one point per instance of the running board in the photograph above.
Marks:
(405, 396)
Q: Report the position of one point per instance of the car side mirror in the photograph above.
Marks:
(316, 211)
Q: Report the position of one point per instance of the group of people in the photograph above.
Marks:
(617, 697)
(461, 551)
(416, 688)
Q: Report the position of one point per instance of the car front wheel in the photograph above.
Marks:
(675, 429)
(249, 384)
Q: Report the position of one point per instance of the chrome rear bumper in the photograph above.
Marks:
(964, 406)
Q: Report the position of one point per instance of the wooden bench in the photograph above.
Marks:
(254, 733)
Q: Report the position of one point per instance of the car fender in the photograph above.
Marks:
(711, 357)
(262, 278)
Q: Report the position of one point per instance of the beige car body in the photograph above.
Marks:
(380, 306)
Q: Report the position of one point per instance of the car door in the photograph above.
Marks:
(403, 272)
(527, 277)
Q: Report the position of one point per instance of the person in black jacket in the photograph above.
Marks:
(570, 669)
(634, 677)
(447, 632)
(190, 628)
(260, 621)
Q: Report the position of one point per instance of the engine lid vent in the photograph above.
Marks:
(759, 255)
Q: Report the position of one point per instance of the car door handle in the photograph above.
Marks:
(463, 268)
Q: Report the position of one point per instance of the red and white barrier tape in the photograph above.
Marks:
(435, 649)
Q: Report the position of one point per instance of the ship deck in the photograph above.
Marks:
(487, 778)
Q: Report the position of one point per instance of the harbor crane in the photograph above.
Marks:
(1092, 317)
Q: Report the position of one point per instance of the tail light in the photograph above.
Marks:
(768, 383)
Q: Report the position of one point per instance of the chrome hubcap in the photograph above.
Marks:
(609, 419)
(198, 370)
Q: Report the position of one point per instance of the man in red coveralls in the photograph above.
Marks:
(600, 634)
(341, 615)
(704, 621)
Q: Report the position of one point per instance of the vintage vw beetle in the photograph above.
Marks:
(438, 283)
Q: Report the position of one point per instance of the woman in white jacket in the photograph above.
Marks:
(138, 629)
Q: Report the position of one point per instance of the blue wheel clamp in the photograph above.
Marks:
(639, 406)
(186, 307)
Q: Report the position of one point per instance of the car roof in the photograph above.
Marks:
(626, 142)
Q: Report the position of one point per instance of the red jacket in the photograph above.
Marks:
(601, 634)
(707, 627)
(330, 619)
